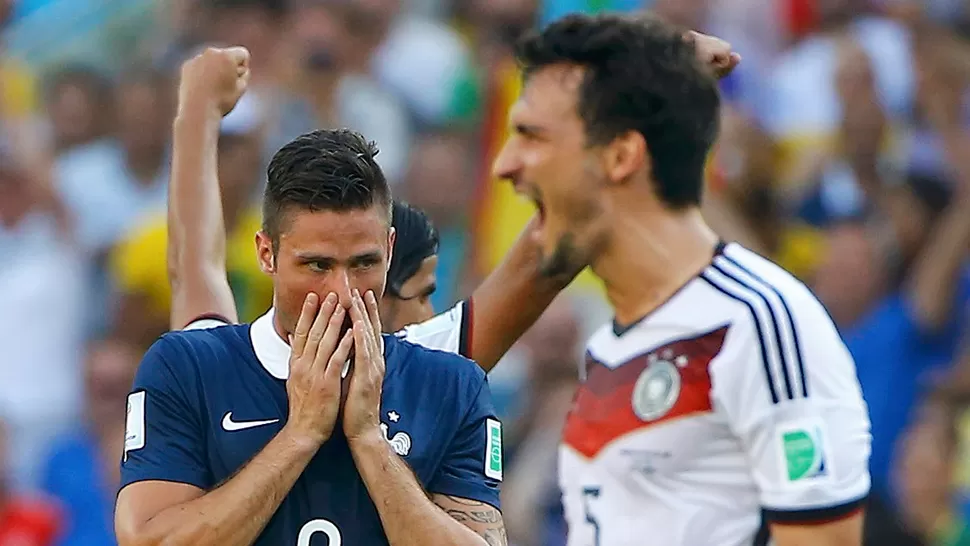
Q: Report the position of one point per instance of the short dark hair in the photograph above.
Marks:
(416, 241)
(329, 169)
(641, 75)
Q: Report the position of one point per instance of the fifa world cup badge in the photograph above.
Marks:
(656, 390)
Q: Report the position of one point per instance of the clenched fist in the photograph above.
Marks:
(714, 53)
(215, 78)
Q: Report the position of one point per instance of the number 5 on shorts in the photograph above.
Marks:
(319, 526)
(588, 493)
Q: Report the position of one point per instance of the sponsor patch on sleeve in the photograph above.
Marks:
(493, 449)
(135, 423)
(803, 451)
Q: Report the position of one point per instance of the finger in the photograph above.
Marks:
(373, 312)
(368, 325)
(238, 54)
(362, 359)
(339, 357)
(357, 310)
(307, 314)
(331, 337)
(319, 326)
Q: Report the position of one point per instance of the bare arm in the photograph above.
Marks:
(844, 532)
(409, 517)
(155, 512)
(511, 300)
(196, 230)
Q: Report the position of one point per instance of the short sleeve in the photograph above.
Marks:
(472, 466)
(164, 438)
(799, 414)
(450, 331)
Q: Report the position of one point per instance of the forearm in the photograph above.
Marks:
(408, 515)
(196, 230)
(237, 511)
(936, 273)
(511, 300)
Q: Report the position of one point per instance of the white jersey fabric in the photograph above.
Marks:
(732, 405)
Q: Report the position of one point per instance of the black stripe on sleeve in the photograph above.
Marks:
(465, 332)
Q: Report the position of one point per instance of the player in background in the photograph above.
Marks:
(482, 328)
(721, 407)
(249, 433)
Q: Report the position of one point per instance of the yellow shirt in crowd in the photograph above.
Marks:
(139, 265)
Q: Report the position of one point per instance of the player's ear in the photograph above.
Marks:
(264, 253)
(391, 237)
(624, 156)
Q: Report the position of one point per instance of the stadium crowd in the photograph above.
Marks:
(844, 156)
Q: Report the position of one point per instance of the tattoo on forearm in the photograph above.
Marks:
(479, 517)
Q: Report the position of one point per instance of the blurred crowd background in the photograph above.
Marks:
(844, 156)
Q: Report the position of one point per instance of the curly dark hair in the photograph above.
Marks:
(641, 75)
(332, 170)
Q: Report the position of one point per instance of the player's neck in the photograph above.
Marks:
(650, 257)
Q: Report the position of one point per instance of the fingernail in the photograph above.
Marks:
(370, 296)
(311, 298)
(331, 297)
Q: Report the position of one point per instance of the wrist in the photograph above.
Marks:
(198, 111)
(301, 440)
(367, 440)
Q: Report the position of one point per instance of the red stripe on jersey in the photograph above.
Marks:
(603, 408)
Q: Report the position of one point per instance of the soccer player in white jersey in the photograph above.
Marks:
(482, 327)
(720, 408)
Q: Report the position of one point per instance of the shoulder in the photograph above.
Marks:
(190, 352)
(760, 290)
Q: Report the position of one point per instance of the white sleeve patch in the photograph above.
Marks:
(493, 449)
(135, 423)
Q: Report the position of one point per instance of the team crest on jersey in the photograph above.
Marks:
(400, 442)
(657, 389)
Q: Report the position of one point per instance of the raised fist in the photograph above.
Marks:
(215, 78)
(714, 53)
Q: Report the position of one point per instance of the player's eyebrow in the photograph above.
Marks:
(428, 291)
(528, 130)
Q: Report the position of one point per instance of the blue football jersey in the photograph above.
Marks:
(206, 401)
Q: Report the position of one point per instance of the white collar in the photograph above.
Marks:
(273, 353)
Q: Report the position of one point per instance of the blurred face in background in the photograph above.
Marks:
(250, 25)
(439, 178)
(319, 38)
(79, 110)
(108, 374)
(240, 166)
(851, 275)
(145, 111)
(685, 13)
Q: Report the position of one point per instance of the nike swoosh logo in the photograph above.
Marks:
(231, 426)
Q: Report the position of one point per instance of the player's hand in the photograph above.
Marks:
(363, 405)
(215, 78)
(317, 357)
(714, 53)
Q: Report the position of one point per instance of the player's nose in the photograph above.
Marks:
(341, 287)
(506, 165)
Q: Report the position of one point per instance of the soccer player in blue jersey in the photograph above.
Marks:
(247, 434)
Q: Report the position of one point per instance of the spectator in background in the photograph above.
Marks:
(419, 59)
(80, 104)
(530, 496)
(24, 521)
(327, 92)
(42, 297)
(82, 470)
(108, 184)
(804, 110)
(138, 263)
(440, 182)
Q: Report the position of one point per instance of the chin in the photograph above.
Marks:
(565, 261)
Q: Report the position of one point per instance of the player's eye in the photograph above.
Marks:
(318, 267)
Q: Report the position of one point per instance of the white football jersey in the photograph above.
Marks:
(449, 331)
(732, 405)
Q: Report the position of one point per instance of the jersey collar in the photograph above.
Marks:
(273, 353)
